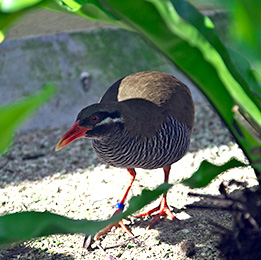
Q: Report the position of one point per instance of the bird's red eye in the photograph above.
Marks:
(94, 119)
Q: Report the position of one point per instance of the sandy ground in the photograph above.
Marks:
(74, 183)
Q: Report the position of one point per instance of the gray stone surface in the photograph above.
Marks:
(106, 54)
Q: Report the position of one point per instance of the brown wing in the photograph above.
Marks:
(165, 91)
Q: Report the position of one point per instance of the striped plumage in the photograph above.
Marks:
(144, 120)
(167, 146)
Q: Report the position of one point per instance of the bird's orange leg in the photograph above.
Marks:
(119, 208)
(163, 208)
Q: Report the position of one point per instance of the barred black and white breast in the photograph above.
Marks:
(168, 145)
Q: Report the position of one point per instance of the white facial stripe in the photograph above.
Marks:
(109, 120)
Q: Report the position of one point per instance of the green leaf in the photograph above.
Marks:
(242, 75)
(27, 225)
(12, 115)
(208, 49)
(245, 27)
(207, 172)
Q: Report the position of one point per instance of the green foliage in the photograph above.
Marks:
(245, 27)
(26, 225)
(14, 114)
(207, 172)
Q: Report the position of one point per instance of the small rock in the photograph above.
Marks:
(185, 231)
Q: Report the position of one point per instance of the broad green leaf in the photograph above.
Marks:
(12, 115)
(27, 225)
(242, 75)
(207, 172)
(194, 37)
(250, 76)
(245, 27)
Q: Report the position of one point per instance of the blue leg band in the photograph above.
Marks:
(120, 206)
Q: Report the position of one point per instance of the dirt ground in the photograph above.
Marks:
(74, 183)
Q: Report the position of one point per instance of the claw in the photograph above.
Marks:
(163, 209)
(109, 227)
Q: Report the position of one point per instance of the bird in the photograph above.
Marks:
(144, 120)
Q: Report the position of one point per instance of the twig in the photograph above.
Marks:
(213, 197)
(214, 207)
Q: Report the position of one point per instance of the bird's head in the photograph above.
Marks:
(94, 122)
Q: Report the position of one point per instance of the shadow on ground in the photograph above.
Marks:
(23, 252)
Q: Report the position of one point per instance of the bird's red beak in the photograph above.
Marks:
(74, 133)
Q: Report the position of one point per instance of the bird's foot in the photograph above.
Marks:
(88, 240)
(109, 227)
(163, 210)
